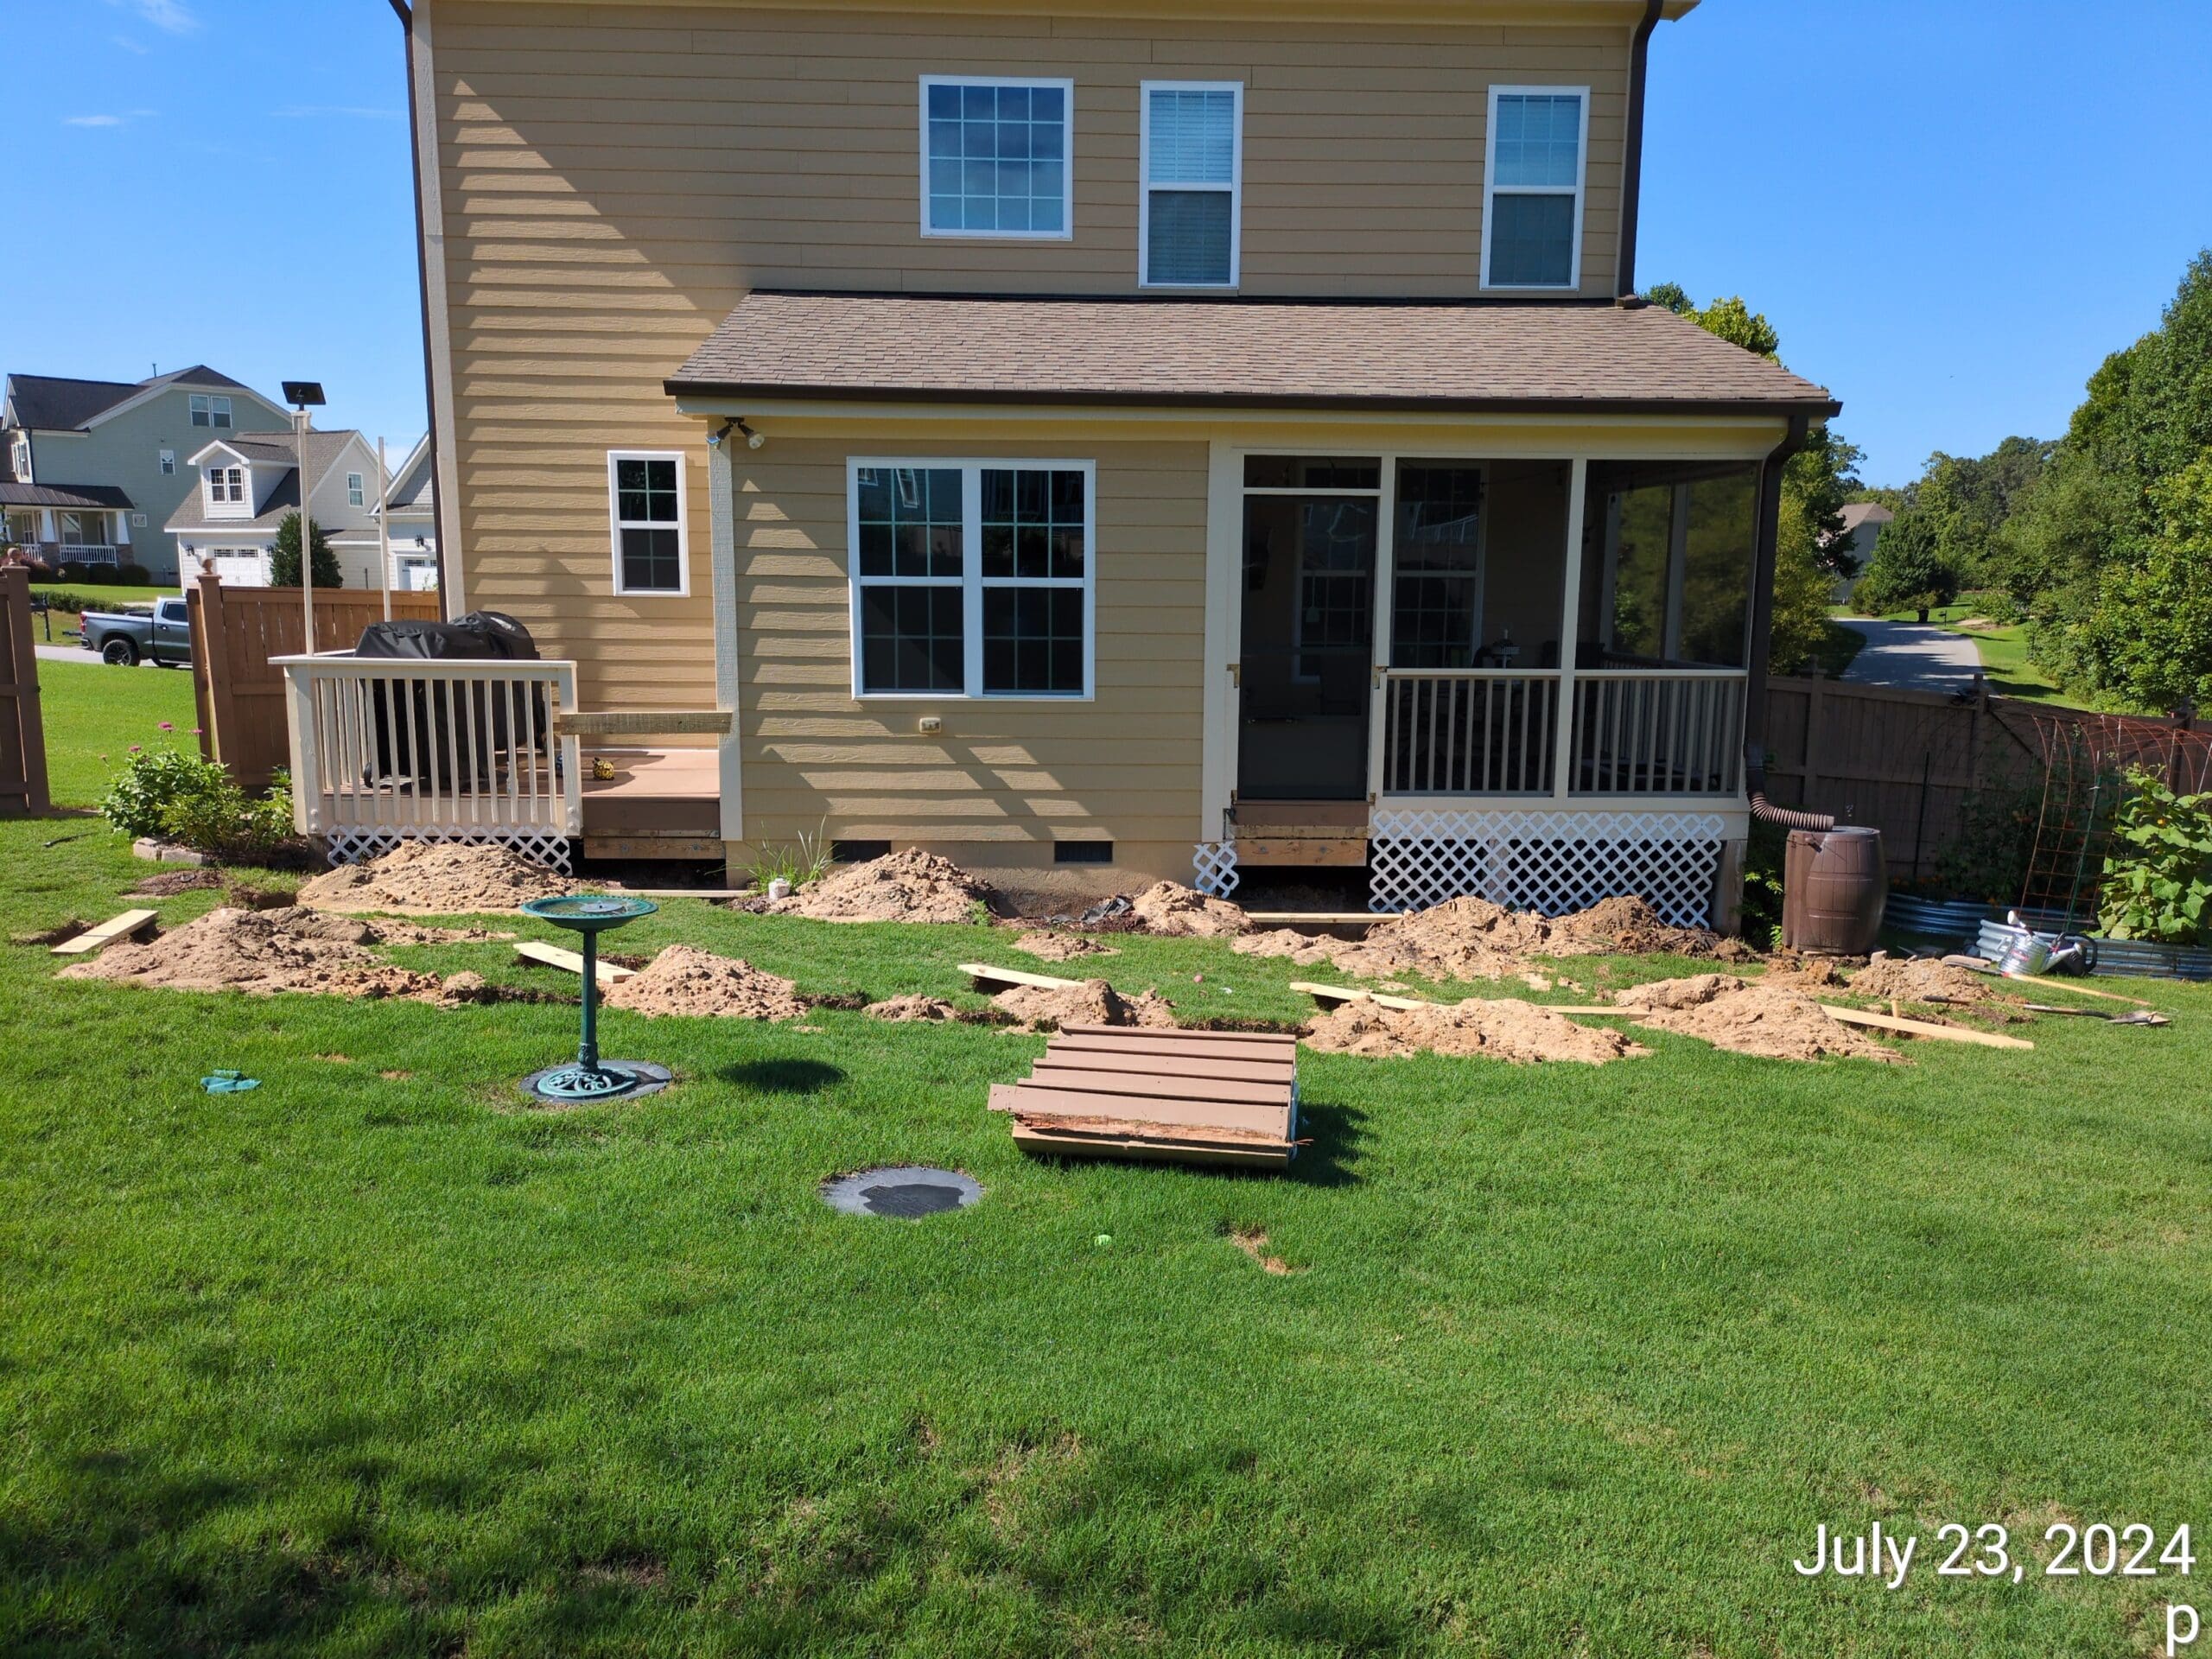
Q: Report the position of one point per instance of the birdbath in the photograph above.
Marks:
(588, 1077)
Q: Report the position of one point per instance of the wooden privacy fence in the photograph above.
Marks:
(239, 634)
(23, 732)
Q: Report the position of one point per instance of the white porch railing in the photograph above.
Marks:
(1657, 731)
(1637, 732)
(1469, 731)
(451, 751)
(89, 552)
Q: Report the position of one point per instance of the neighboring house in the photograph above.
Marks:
(91, 470)
(249, 483)
(412, 508)
(1062, 431)
(1861, 532)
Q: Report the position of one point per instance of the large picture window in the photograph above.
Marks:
(997, 158)
(972, 579)
(1192, 165)
(645, 491)
(1532, 210)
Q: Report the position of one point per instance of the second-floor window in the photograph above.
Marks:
(226, 483)
(210, 410)
(23, 449)
(1532, 213)
(355, 495)
(996, 156)
(1192, 165)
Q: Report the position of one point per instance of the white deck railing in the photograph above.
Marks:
(1469, 731)
(1492, 732)
(1657, 731)
(384, 749)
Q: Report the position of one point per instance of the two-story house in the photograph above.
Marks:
(1101, 431)
(411, 511)
(249, 484)
(91, 470)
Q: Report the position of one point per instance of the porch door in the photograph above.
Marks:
(1306, 655)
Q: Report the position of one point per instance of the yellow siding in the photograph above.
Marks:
(613, 179)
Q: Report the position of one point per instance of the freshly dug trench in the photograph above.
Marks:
(1092, 1003)
(1520, 1034)
(1061, 947)
(907, 1010)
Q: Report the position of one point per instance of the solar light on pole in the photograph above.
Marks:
(304, 395)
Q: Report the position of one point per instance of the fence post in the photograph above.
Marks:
(221, 735)
(23, 671)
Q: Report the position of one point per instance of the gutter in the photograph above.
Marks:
(421, 272)
(1762, 654)
(1639, 64)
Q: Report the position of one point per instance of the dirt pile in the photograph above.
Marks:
(1184, 912)
(1519, 1033)
(1923, 981)
(169, 883)
(908, 1010)
(685, 980)
(262, 953)
(1631, 927)
(1092, 1003)
(1770, 1021)
(907, 886)
(1062, 947)
(427, 878)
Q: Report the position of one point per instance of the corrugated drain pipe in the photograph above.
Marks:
(1762, 626)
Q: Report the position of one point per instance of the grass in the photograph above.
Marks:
(373, 1360)
(94, 713)
(100, 596)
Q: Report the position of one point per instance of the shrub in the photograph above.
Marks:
(134, 575)
(2159, 871)
(153, 780)
(1988, 858)
(1763, 862)
(223, 821)
(103, 575)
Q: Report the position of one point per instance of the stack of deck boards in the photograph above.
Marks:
(1161, 1097)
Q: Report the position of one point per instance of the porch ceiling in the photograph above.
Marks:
(1477, 356)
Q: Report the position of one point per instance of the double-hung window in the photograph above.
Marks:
(1532, 213)
(226, 483)
(1191, 165)
(646, 500)
(168, 463)
(973, 578)
(210, 410)
(997, 157)
(356, 495)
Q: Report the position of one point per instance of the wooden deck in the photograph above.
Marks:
(660, 804)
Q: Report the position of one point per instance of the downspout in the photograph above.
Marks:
(1639, 64)
(423, 284)
(1763, 566)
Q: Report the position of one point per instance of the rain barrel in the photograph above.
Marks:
(1834, 884)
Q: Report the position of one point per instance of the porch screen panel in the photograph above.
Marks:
(1435, 610)
(1336, 585)
(1639, 618)
(1717, 562)
(910, 559)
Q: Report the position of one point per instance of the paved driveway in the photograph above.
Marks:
(1913, 656)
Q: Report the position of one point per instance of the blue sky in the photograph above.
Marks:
(1952, 209)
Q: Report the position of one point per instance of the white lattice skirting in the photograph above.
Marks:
(356, 846)
(1214, 861)
(1550, 862)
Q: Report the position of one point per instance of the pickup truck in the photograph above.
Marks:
(158, 632)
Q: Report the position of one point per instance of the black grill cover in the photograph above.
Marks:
(480, 633)
(438, 730)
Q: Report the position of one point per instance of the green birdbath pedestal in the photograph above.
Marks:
(588, 1077)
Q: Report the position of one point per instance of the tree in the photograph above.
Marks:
(284, 557)
(2149, 636)
(1908, 571)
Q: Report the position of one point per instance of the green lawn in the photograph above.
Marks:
(372, 1360)
(93, 711)
(100, 596)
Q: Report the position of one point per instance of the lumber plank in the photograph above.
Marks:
(106, 933)
(1265, 919)
(1181, 1035)
(1921, 1029)
(984, 971)
(1137, 1128)
(1240, 1070)
(1341, 993)
(648, 724)
(1271, 1119)
(1182, 1053)
(570, 962)
(1161, 1085)
(1030, 1140)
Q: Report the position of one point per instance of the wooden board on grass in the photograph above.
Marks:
(115, 927)
(571, 961)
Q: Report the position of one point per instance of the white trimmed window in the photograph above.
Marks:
(225, 485)
(1539, 145)
(211, 410)
(168, 463)
(355, 494)
(646, 498)
(1190, 231)
(22, 459)
(973, 579)
(998, 157)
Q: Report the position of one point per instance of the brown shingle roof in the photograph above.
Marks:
(1247, 353)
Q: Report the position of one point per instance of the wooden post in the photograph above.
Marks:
(22, 692)
(384, 529)
(1570, 629)
(222, 723)
(307, 549)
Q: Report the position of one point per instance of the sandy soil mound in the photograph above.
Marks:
(415, 933)
(261, 952)
(1185, 912)
(1518, 1033)
(686, 980)
(1925, 981)
(1092, 1003)
(1304, 949)
(1062, 947)
(1770, 1021)
(909, 887)
(906, 1010)
(433, 878)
